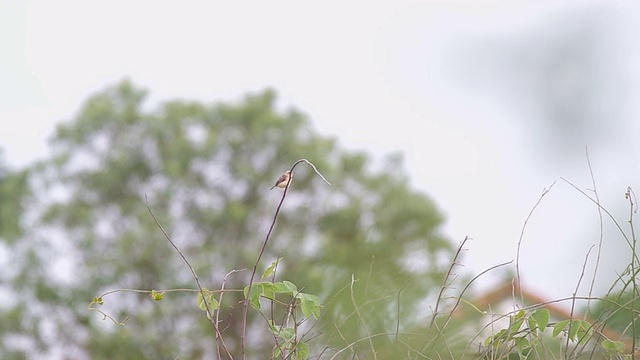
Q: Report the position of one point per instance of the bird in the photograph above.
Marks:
(283, 180)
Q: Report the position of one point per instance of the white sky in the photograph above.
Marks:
(371, 73)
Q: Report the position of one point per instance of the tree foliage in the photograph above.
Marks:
(206, 170)
(13, 193)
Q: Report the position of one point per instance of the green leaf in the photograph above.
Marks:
(541, 317)
(271, 268)
(285, 287)
(156, 296)
(585, 332)
(516, 322)
(209, 298)
(573, 329)
(256, 291)
(497, 340)
(523, 344)
(303, 351)
(277, 351)
(310, 305)
(98, 300)
(488, 341)
(268, 290)
(287, 334)
(284, 333)
(613, 347)
(500, 336)
(559, 327)
(273, 327)
(291, 286)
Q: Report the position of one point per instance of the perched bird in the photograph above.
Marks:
(283, 180)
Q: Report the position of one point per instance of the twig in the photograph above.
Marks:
(398, 309)
(290, 311)
(272, 303)
(573, 302)
(595, 194)
(524, 226)
(139, 291)
(349, 346)
(161, 291)
(193, 272)
(217, 320)
(312, 166)
(631, 197)
(445, 285)
(464, 290)
(613, 219)
(459, 299)
(633, 202)
(245, 305)
(366, 285)
(345, 340)
(364, 323)
(106, 316)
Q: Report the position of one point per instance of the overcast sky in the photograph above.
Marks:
(456, 86)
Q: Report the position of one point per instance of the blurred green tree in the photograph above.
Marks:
(14, 191)
(620, 312)
(14, 194)
(206, 170)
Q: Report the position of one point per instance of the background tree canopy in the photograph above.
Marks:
(206, 170)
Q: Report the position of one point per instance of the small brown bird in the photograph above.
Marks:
(283, 180)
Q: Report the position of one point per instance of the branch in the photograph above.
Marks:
(524, 226)
(245, 305)
(195, 276)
